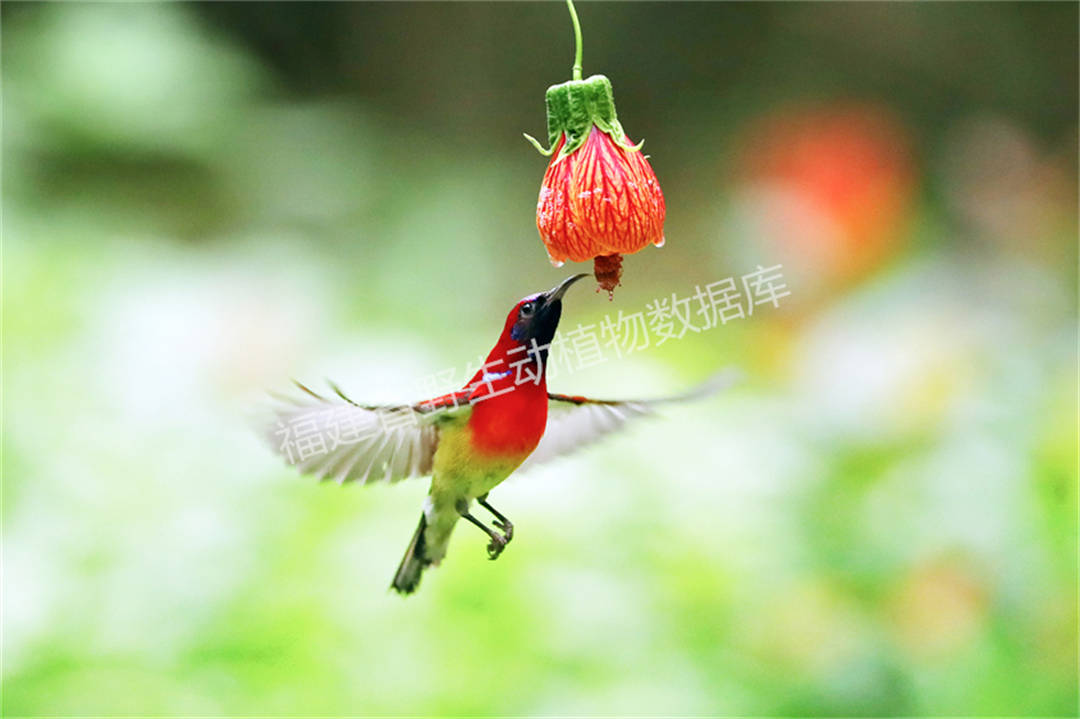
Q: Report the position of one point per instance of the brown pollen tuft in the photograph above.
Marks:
(608, 271)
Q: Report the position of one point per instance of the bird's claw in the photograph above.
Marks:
(506, 528)
(496, 546)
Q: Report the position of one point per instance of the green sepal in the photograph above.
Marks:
(573, 107)
(539, 148)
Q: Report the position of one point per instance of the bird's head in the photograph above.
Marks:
(536, 317)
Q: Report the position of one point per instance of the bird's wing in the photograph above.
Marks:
(336, 438)
(575, 422)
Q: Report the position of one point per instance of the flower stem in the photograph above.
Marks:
(577, 40)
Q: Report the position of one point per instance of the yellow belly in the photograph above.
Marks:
(461, 472)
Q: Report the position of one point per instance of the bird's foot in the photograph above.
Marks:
(496, 546)
(506, 528)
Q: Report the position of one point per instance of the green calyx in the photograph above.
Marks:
(573, 108)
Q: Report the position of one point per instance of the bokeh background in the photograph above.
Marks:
(201, 201)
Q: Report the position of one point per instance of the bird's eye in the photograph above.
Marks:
(527, 309)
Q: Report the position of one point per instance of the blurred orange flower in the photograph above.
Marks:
(846, 177)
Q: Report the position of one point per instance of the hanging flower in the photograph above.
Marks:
(599, 198)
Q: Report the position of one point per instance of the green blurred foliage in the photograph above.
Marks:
(203, 200)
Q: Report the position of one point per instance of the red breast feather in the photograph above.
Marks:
(510, 425)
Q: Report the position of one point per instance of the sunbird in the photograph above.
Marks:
(469, 441)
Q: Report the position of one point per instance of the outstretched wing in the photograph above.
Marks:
(575, 422)
(336, 438)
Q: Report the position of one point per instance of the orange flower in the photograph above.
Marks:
(599, 198)
(601, 201)
(842, 178)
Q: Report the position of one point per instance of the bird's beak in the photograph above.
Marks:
(556, 293)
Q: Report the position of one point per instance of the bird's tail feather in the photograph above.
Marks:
(413, 563)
